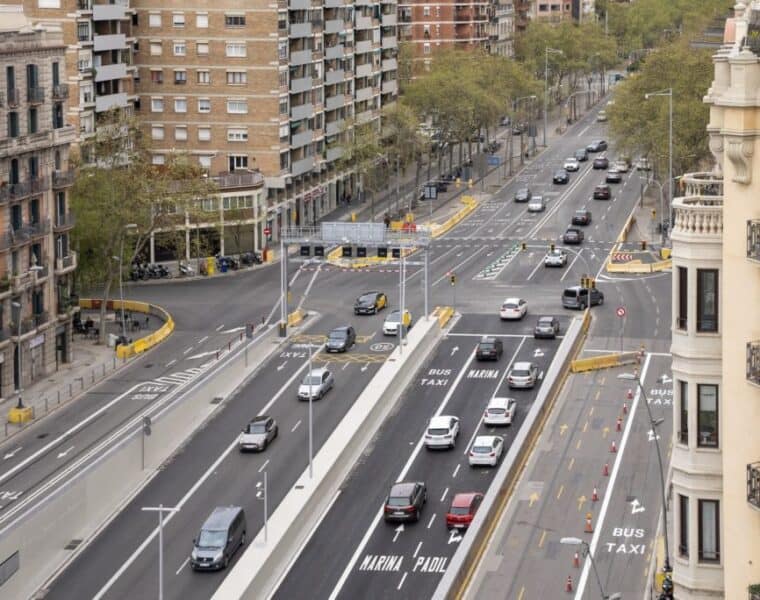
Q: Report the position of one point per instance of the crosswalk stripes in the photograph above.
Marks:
(180, 376)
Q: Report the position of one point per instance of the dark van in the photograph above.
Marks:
(578, 297)
(220, 537)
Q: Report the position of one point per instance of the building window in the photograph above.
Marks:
(158, 159)
(32, 124)
(204, 160)
(425, 11)
(238, 161)
(237, 135)
(237, 107)
(157, 132)
(156, 76)
(13, 128)
(284, 106)
(707, 300)
(683, 418)
(709, 531)
(201, 20)
(156, 105)
(201, 48)
(236, 49)
(154, 20)
(180, 77)
(683, 526)
(180, 105)
(707, 415)
(237, 202)
(180, 133)
(283, 77)
(284, 161)
(178, 20)
(683, 298)
(180, 48)
(204, 77)
(234, 20)
(204, 134)
(426, 48)
(237, 77)
(155, 48)
(83, 32)
(204, 105)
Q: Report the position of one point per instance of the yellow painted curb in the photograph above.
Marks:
(18, 416)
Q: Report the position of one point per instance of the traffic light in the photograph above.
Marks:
(305, 250)
(585, 282)
(643, 244)
(319, 250)
(453, 279)
(396, 253)
(382, 252)
(551, 247)
(347, 251)
(146, 425)
(592, 281)
(523, 246)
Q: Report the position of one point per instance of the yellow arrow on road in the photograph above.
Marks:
(581, 502)
(532, 499)
(562, 429)
(605, 431)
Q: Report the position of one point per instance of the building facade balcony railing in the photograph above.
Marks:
(702, 184)
(238, 179)
(753, 362)
(753, 240)
(24, 189)
(14, 98)
(35, 95)
(753, 484)
(699, 216)
(32, 230)
(64, 221)
(60, 92)
(63, 178)
(66, 264)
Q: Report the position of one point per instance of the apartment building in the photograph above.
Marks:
(555, 11)
(501, 29)
(263, 92)
(36, 262)
(716, 473)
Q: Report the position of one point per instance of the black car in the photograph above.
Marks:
(601, 162)
(489, 348)
(560, 176)
(369, 303)
(581, 155)
(573, 236)
(546, 327)
(614, 176)
(581, 217)
(602, 192)
(341, 339)
(405, 501)
(523, 195)
(597, 146)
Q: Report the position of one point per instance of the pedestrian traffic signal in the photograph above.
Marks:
(305, 250)
(361, 252)
(382, 252)
(396, 253)
(347, 251)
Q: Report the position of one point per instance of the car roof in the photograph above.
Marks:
(485, 440)
(500, 402)
(221, 517)
(522, 365)
(259, 419)
(402, 488)
(441, 421)
(585, 211)
(464, 499)
(511, 299)
(342, 328)
(546, 318)
(319, 371)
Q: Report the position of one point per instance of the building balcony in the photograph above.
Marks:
(336, 26)
(334, 3)
(753, 484)
(363, 22)
(304, 165)
(333, 102)
(64, 221)
(14, 98)
(364, 93)
(334, 127)
(108, 12)
(300, 30)
(389, 20)
(110, 72)
(698, 218)
(333, 153)
(300, 4)
(389, 42)
(389, 64)
(63, 178)
(301, 84)
(35, 95)
(364, 70)
(113, 41)
(24, 189)
(297, 140)
(363, 46)
(302, 111)
(60, 92)
(335, 76)
(702, 184)
(390, 86)
(66, 264)
(109, 101)
(301, 57)
(366, 116)
(753, 362)
(30, 231)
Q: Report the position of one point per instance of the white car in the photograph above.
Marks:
(621, 165)
(572, 164)
(500, 411)
(601, 116)
(555, 258)
(391, 323)
(486, 450)
(643, 164)
(513, 308)
(442, 432)
(536, 204)
(316, 384)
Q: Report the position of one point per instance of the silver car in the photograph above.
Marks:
(523, 375)
(317, 383)
(536, 204)
(257, 434)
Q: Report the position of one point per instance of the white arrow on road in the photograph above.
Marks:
(12, 454)
(652, 435)
(65, 452)
(454, 350)
(455, 536)
(636, 506)
(666, 379)
(540, 375)
(364, 368)
(399, 530)
(203, 354)
(282, 366)
(538, 352)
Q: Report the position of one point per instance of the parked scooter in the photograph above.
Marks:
(186, 270)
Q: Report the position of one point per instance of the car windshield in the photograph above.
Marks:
(522, 192)
(459, 510)
(496, 411)
(212, 538)
(398, 501)
(312, 380)
(486, 346)
(438, 431)
(545, 321)
(256, 428)
(571, 232)
(337, 335)
(580, 213)
(555, 253)
(520, 373)
(367, 298)
(481, 449)
(510, 305)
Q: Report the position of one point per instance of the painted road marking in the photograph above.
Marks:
(295, 426)
(65, 452)
(381, 562)
(220, 327)
(182, 566)
(403, 578)
(264, 466)
(417, 550)
(636, 506)
(430, 523)
(12, 453)
(456, 470)
(446, 491)
(203, 339)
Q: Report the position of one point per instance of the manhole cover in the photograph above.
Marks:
(42, 436)
(72, 545)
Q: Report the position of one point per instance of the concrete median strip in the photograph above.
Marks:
(264, 563)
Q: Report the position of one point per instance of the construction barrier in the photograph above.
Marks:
(19, 416)
(604, 361)
(296, 317)
(443, 314)
(144, 343)
(665, 253)
(636, 266)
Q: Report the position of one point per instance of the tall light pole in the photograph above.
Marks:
(160, 509)
(20, 388)
(121, 292)
(586, 550)
(669, 93)
(546, 83)
(515, 107)
(654, 423)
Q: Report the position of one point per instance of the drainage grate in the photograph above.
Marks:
(217, 400)
(42, 436)
(72, 545)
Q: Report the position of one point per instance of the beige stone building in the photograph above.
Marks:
(36, 262)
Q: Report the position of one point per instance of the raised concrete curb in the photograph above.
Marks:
(467, 556)
(264, 563)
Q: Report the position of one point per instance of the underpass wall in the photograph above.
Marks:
(92, 494)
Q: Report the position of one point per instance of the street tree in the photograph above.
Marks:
(364, 155)
(402, 143)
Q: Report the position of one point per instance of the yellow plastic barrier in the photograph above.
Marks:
(605, 361)
(19, 416)
(470, 204)
(444, 315)
(665, 253)
(295, 317)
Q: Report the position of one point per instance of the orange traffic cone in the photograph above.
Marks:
(613, 446)
(576, 561)
(594, 496)
(625, 408)
(589, 526)
(619, 424)
(606, 470)
(630, 394)
(569, 584)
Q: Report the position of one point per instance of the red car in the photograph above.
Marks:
(463, 509)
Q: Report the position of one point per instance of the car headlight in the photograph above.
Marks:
(193, 554)
(218, 556)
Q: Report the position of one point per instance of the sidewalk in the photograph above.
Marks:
(91, 363)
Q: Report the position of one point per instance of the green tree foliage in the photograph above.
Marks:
(640, 126)
(364, 154)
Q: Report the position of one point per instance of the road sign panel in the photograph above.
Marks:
(620, 312)
(267, 230)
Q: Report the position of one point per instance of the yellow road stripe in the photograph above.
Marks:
(521, 594)
(543, 537)
(578, 445)
(570, 466)
(585, 427)
(561, 489)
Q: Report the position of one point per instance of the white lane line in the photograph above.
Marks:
(188, 350)
(570, 268)
(203, 339)
(403, 579)
(171, 362)
(264, 466)
(295, 426)
(378, 515)
(582, 131)
(201, 480)
(430, 522)
(220, 327)
(456, 470)
(533, 232)
(417, 550)
(446, 491)
(538, 264)
(456, 267)
(611, 485)
(308, 287)
(182, 566)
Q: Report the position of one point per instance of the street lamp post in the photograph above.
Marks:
(160, 509)
(586, 550)
(662, 218)
(654, 423)
(20, 389)
(669, 93)
(546, 83)
(121, 292)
